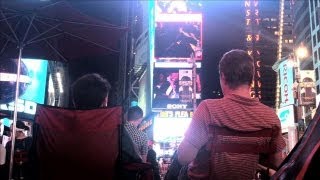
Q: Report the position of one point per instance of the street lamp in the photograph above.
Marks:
(301, 52)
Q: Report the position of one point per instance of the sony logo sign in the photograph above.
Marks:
(177, 106)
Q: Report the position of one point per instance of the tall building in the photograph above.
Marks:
(315, 38)
(285, 41)
(268, 46)
(252, 41)
(301, 24)
(261, 29)
(302, 37)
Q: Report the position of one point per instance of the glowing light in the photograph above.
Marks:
(259, 84)
(177, 6)
(302, 52)
(256, 12)
(258, 63)
(257, 37)
(9, 77)
(247, 3)
(248, 22)
(59, 82)
(50, 86)
(179, 18)
(257, 21)
(248, 12)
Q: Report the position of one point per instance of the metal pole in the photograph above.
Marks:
(194, 83)
(15, 113)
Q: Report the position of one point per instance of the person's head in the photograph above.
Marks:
(135, 114)
(21, 128)
(162, 77)
(236, 69)
(185, 83)
(90, 91)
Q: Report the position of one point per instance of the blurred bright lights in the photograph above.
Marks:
(302, 52)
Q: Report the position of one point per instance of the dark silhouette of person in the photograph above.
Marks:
(21, 162)
(152, 159)
(185, 90)
(161, 86)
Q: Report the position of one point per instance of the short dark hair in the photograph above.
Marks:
(237, 67)
(134, 113)
(89, 91)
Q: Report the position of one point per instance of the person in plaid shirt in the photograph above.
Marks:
(140, 139)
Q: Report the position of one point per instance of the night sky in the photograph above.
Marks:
(222, 31)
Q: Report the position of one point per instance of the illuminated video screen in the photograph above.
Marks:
(168, 134)
(178, 6)
(32, 87)
(178, 37)
(172, 87)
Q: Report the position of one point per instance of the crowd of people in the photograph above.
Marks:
(196, 157)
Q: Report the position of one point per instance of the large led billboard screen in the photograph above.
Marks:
(32, 86)
(178, 37)
(178, 6)
(173, 87)
(168, 134)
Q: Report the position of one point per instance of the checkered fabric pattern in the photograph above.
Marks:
(139, 138)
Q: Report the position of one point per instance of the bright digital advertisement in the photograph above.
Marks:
(286, 116)
(168, 133)
(32, 86)
(174, 86)
(178, 37)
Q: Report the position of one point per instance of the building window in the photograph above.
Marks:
(315, 56)
(290, 40)
(317, 74)
(314, 40)
(318, 90)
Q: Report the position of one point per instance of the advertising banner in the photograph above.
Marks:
(286, 83)
(177, 6)
(32, 86)
(286, 116)
(177, 37)
(169, 132)
(307, 88)
(173, 88)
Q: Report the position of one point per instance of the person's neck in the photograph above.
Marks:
(243, 91)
